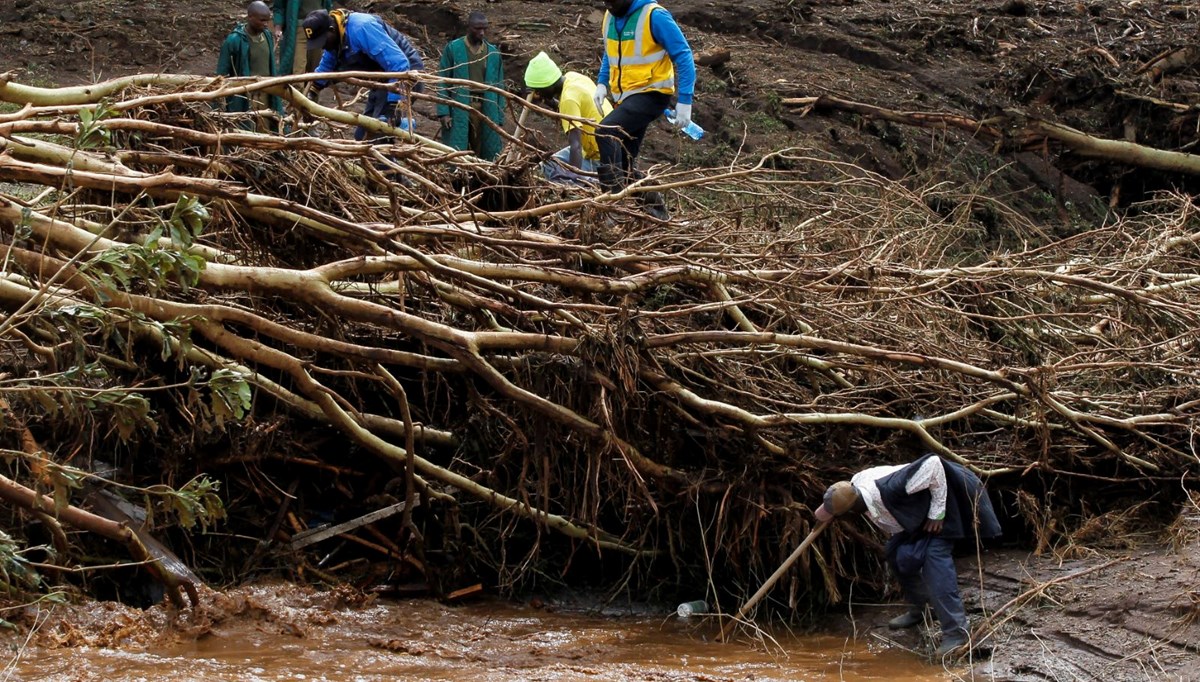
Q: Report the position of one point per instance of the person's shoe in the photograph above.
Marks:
(949, 645)
(654, 205)
(907, 619)
(607, 175)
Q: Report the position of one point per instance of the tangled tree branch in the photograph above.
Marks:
(559, 357)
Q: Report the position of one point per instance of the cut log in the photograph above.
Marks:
(712, 58)
(1170, 62)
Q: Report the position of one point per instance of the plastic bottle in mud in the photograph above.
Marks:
(691, 608)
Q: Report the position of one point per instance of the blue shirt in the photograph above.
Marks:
(366, 46)
(668, 34)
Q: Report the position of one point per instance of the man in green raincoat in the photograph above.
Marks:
(250, 51)
(294, 55)
(472, 58)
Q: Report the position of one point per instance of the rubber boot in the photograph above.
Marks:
(609, 181)
(908, 619)
(951, 642)
(654, 205)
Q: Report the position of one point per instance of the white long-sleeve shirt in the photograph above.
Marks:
(930, 476)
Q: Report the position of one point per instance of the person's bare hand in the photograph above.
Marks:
(447, 121)
(934, 526)
(278, 34)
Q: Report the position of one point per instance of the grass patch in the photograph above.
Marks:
(764, 124)
(711, 84)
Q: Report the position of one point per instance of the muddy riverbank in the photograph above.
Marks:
(1127, 613)
(284, 632)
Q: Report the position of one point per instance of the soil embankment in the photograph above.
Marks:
(1086, 65)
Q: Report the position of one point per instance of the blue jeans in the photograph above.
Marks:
(378, 107)
(559, 170)
(933, 582)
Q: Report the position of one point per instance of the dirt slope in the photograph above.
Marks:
(1128, 615)
(1074, 62)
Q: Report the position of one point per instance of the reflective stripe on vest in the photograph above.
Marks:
(636, 62)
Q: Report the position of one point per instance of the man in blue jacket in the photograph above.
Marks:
(646, 61)
(250, 51)
(357, 41)
(925, 506)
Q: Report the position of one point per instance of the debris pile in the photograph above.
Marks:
(527, 374)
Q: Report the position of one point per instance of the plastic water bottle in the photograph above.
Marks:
(692, 129)
(691, 608)
(402, 123)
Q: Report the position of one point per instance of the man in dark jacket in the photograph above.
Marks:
(357, 41)
(250, 51)
(295, 55)
(925, 506)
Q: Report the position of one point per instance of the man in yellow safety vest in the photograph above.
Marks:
(647, 60)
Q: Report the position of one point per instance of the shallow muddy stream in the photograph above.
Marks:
(272, 633)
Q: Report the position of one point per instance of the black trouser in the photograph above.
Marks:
(620, 136)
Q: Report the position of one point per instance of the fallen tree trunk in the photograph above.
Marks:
(1018, 129)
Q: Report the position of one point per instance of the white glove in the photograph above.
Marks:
(599, 96)
(683, 115)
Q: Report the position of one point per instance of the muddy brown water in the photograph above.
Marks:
(277, 634)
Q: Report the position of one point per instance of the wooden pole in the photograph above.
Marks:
(766, 587)
(511, 150)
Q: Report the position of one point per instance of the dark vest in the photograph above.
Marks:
(968, 510)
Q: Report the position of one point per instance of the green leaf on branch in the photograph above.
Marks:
(118, 267)
(63, 480)
(75, 391)
(196, 502)
(231, 395)
(187, 221)
(130, 411)
(15, 571)
(91, 134)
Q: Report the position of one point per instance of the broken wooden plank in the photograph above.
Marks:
(465, 592)
(308, 537)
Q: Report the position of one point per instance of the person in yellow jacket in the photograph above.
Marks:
(571, 93)
(646, 61)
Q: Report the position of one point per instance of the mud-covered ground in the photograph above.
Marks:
(1078, 63)
(1114, 616)
(1128, 615)
(282, 632)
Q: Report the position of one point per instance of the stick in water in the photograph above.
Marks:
(787, 563)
